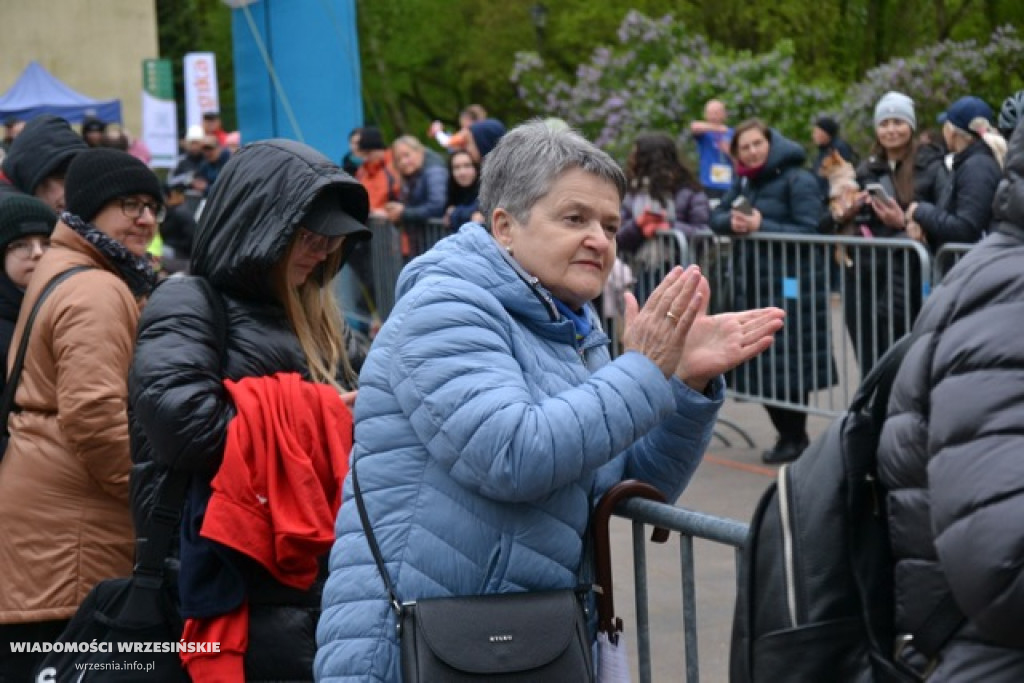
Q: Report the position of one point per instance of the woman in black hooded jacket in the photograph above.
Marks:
(276, 229)
(951, 455)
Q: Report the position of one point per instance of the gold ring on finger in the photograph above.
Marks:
(672, 316)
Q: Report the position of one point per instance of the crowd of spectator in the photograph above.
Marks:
(535, 218)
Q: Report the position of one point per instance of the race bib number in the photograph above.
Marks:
(721, 174)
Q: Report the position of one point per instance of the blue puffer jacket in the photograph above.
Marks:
(483, 433)
(425, 192)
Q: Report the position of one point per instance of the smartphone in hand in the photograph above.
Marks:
(876, 191)
(743, 205)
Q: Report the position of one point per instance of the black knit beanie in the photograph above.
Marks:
(99, 175)
(22, 215)
(829, 125)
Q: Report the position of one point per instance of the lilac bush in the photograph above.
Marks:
(660, 75)
(936, 76)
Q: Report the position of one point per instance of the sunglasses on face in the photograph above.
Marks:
(318, 243)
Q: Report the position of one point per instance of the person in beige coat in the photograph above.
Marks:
(64, 508)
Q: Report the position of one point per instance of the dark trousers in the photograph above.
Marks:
(21, 667)
(790, 424)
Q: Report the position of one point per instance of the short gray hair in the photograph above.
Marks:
(529, 158)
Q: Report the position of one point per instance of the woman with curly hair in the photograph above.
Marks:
(663, 194)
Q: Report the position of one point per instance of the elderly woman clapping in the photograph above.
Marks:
(490, 415)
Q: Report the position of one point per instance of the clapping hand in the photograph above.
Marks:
(717, 343)
(659, 329)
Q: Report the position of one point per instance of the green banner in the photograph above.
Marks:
(157, 78)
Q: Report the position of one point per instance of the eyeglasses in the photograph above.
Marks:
(133, 208)
(318, 243)
(26, 248)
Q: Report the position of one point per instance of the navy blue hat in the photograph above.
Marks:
(486, 134)
(965, 110)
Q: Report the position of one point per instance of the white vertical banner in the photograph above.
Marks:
(159, 115)
(201, 93)
(160, 130)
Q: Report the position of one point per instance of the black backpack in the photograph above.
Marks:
(814, 593)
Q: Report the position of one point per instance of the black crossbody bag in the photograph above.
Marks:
(531, 637)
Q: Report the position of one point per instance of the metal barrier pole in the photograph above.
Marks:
(689, 525)
(643, 621)
(689, 589)
(946, 257)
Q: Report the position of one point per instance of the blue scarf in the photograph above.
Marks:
(578, 318)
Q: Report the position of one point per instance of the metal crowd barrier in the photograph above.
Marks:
(946, 257)
(391, 248)
(688, 525)
(828, 341)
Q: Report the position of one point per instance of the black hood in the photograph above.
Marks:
(1008, 204)
(254, 208)
(46, 143)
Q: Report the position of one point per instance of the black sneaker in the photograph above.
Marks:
(785, 450)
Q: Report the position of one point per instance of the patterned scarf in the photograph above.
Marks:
(135, 271)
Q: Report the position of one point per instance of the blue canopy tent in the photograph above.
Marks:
(37, 92)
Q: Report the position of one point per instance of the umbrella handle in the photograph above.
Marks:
(631, 488)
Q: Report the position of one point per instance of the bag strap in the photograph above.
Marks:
(877, 384)
(378, 558)
(371, 539)
(945, 618)
(163, 523)
(7, 402)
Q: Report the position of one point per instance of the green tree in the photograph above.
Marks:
(185, 26)
(426, 59)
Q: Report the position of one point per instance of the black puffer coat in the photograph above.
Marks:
(179, 407)
(963, 210)
(789, 276)
(929, 180)
(952, 452)
(883, 288)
